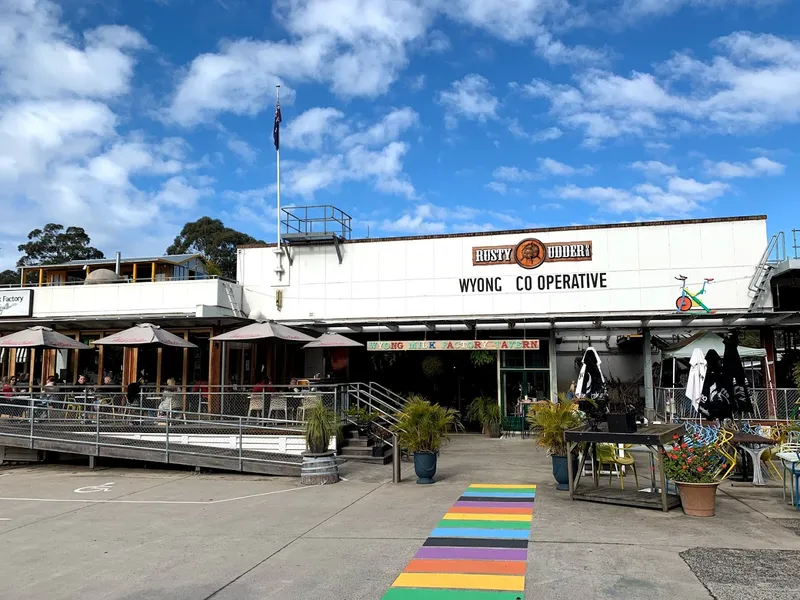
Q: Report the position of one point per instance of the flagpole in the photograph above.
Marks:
(278, 170)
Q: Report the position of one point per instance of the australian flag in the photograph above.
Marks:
(276, 128)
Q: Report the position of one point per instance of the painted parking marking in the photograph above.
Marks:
(93, 489)
(205, 502)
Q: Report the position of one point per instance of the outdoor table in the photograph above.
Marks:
(743, 441)
(653, 437)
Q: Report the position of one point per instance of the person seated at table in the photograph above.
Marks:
(171, 400)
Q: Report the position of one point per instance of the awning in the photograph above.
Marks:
(41, 337)
(705, 341)
(333, 340)
(144, 334)
(263, 331)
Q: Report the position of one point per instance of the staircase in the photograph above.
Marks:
(774, 254)
(361, 447)
(370, 447)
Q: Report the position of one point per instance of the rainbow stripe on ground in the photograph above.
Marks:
(478, 551)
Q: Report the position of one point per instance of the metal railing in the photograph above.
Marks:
(315, 220)
(88, 427)
(122, 280)
(795, 245)
(770, 404)
(774, 253)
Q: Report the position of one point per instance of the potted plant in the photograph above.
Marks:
(362, 418)
(319, 464)
(548, 423)
(486, 411)
(694, 469)
(422, 427)
(622, 398)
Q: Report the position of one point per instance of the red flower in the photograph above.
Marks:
(699, 469)
(684, 445)
(675, 437)
(684, 467)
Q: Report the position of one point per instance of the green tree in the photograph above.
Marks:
(214, 241)
(9, 277)
(53, 245)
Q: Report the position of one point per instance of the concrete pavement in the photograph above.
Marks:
(177, 535)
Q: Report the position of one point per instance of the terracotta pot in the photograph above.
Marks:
(698, 499)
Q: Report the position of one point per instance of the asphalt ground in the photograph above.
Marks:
(110, 533)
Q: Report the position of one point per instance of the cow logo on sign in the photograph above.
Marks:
(529, 254)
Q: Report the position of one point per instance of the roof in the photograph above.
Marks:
(171, 258)
(679, 222)
(705, 341)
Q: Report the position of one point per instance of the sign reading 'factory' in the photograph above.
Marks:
(531, 253)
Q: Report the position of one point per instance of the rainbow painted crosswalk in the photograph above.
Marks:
(478, 551)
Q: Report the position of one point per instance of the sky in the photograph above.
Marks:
(130, 118)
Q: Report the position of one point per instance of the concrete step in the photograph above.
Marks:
(361, 442)
(356, 451)
(374, 460)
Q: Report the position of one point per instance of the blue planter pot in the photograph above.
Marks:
(561, 473)
(425, 467)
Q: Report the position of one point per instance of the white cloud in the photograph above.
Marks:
(469, 98)
(757, 167)
(654, 168)
(680, 198)
(514, 174)
(497, 186)
(751, 84)
(64, 153)
(308, 130)
(635, 9)
(519, 20)
(388, 129)
(243, 150)
(417, 83)
(41, 59)
(543, 135)
(429, 218)
(358, 47)
(438, 42)
(554, 167)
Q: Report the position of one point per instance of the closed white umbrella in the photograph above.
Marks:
(333, 340)
(697, 376)
(144, 334)
(41, 337)
(263, 331)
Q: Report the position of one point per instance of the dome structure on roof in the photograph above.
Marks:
(102, 276)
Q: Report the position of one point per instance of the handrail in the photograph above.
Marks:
(375, 404)
(393, 396)
(777, 245)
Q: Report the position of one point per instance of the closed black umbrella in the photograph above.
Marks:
(735, 379)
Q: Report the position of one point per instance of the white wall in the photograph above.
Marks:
(419, 278)
(143, 298)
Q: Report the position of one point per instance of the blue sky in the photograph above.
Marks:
(415, 116)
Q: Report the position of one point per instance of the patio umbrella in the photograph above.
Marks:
(41, 337)
(333, 340)
(591, 388)
(697, 376)
(144, 334)
(714, 400)
(735, 378)
(262, 331)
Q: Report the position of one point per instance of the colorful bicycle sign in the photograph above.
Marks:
(688, 300)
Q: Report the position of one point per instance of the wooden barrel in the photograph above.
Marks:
(319, 469)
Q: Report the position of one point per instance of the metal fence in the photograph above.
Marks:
(276, 404)
(781, 404)
(169, 436)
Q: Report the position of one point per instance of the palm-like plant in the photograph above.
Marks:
(550, 421)
(485, 411)
(321, 426)
(423, 427)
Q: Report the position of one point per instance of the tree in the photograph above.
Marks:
(214, 241)
(9, 277)
(54, 245)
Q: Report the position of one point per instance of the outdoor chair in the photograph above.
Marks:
(610, 454)
(307, 403)
(789, 455)
(278, 404)
(256, 404)
(728, 453)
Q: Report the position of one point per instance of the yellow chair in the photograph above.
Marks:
(727, 451)
(777, 434)
(611, 454)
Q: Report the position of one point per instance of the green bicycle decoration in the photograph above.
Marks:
(688, 300)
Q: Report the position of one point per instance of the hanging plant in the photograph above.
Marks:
(482, 358)
(796, 374)
(432, 366)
